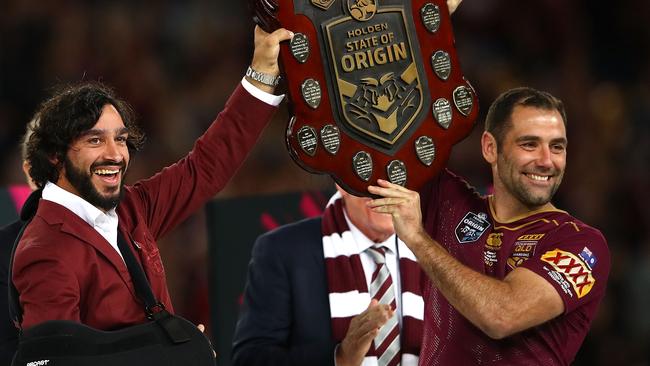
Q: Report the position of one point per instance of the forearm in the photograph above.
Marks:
(498, 307)
(488, 303)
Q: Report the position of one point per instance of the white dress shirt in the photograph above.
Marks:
(265, 97)
(104, 223)
(369, 264)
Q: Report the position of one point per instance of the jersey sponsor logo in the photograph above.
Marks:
(492, 245)
(573, 268)
(531, 237)
(471, 227)
(557, 277)
(38, 363)
(523, 249)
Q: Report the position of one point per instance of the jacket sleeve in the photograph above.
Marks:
(264, 334)
(49, 287)
(177, 191)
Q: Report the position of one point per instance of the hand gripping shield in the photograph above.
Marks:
(375, 88)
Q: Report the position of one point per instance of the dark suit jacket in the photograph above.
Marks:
(8, 332)
(285, 318)
(64, 269)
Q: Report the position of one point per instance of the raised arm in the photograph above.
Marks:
(499, 308)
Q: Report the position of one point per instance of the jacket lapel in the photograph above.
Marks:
(55, 214)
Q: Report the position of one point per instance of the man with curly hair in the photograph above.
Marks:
(68, 264)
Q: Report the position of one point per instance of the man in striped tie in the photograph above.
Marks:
(336, 289)
(381, 288)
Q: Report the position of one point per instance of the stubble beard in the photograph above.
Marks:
(512, 181)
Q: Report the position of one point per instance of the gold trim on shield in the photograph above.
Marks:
(347, 89)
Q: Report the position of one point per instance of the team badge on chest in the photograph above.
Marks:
(471, 227)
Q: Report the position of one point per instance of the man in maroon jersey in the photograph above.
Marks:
(514, 280)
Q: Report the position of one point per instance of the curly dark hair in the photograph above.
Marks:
(497, 121)
(71, 111)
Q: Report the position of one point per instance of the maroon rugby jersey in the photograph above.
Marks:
(570, 255)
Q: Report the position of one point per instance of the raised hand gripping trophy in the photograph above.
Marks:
(375, 88)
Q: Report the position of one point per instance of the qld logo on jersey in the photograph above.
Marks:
(576, 271)
(471, 227)
(523, 249)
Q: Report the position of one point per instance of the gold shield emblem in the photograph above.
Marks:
(323, 4)
(362, 10)
(375, 86)
(377, 79)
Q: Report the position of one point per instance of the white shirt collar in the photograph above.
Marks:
(104, 223)
(363, 242)
(76, 204)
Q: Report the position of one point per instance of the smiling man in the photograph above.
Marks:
(513, 279)
(68, 264)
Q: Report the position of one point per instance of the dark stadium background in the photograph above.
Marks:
(177, 61)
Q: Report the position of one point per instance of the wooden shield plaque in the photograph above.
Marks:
(375, 88)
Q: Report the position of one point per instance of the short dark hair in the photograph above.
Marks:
(71, 111)
(498, 119)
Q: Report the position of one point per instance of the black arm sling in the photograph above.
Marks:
(164, 340)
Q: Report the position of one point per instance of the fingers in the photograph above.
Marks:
(373, 317)
(378, 315)
(281, 35)
(385, 188)
(453, 5)
(369, 336)
(267, 49)
(393, 196)
(385, 202)
(363, 329)
(201, 328)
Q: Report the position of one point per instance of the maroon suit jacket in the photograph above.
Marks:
(64, 270)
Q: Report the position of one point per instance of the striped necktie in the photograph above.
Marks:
(387, 343)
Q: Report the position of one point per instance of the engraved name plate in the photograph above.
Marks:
(396, 171)
(430, 17)
(330, 136)
(362, 165)
(308, 140)
(441, 64)
(300, 47)
(311, 93)
(463, 100)
(425, 150)
(442, 112)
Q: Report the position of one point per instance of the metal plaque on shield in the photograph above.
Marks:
(377, 83)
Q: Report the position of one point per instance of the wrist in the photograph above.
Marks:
(416, 238)
(340, 356)
(261, 80)
(270, 79)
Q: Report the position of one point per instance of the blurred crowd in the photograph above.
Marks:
(177, 61)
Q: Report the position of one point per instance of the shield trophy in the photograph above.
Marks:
(375, 88)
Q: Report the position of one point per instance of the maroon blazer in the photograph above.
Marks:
(63, 269)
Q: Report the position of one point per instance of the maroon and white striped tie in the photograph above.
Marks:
(387, 343)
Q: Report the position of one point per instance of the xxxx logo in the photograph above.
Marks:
(573, 268)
